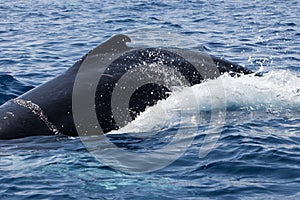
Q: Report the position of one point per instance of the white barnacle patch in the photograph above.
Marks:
(35, 109)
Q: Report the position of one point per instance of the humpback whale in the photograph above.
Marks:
(49, 108)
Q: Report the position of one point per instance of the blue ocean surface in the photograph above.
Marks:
(257, 152)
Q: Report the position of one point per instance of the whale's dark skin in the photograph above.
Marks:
(54, 98)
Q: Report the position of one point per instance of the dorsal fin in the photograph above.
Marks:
(116, 43)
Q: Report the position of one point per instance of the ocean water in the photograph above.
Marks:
(256, 153)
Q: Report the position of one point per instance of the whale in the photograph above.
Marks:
(49, 109)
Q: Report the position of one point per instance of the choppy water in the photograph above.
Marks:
(257, 154)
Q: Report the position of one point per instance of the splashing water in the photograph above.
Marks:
(277, 92)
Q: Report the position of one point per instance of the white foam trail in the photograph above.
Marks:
(277, 91)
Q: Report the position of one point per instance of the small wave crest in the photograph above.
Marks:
(11, 88)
